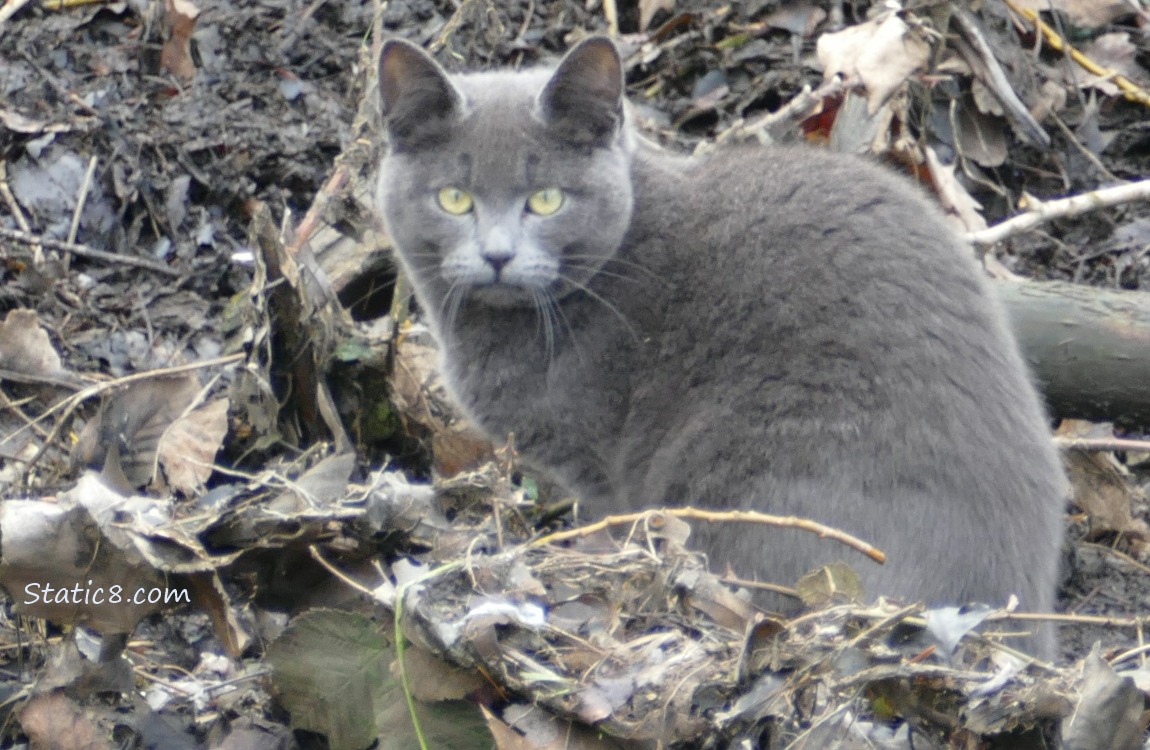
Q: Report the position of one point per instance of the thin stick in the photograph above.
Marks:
(316, 555)
(1102, 444)
(71, 403)
(14, 207)
(88, 252)
(611, 11)
(1064, 207)
(11, 8)
(796, 110)
(1130, 90)
(311, 219)
(81, 199)
(720, 516)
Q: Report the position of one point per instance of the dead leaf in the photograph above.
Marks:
(189, 446)
(176, 55)
(1109, 711)
(59, 566)
(1116, 53)
(1105, 494)
(433, 679)
(321, 485)
(526, 727)
(830, 583)
(882, 53)
(125, 438)
(52, 720)
(981, 136)
(800, 18)
(26, 349)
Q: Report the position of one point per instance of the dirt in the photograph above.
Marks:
(178, 122)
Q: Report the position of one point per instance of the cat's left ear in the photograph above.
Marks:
(419, 101)
(583, 101)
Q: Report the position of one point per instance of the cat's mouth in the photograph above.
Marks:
(502, 294)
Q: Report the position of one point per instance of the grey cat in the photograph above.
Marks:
(777, 329)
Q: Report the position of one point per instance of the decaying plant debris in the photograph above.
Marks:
(212, 391)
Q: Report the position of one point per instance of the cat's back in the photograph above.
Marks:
(808, 246)
(793, 201)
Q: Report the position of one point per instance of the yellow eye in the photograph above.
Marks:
(545, 202)
(455, 201)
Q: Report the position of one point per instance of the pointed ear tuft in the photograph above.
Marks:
(583, 100)
(419, 101)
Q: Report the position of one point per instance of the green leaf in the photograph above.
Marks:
(332, 671)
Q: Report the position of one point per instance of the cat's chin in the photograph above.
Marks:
(503, 296)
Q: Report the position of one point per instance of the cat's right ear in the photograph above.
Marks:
(418, 99)
(583, 100)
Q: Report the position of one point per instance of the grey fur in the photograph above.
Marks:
(779, 329)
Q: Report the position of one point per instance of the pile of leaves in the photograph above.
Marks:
(219, 419)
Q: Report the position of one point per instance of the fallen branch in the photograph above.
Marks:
(88, 252)
(1130, 90)
(1039, 212)
(719, 516)
(1102, 444)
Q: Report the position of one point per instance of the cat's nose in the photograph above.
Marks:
(497, 259)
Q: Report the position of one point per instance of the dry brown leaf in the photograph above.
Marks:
(176, 55)
(963, 211)
(1103, 492)
(189, 446)
(798, 18)
(25, 347)
(882, 53)
(433, 679)
(52, 720)
(1116, 53)
(835, 582)
(981, 137)
(59, 566)
(126, 436)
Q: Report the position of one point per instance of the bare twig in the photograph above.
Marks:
(1130, 90)
(311, 219)
(802, 106)
(1070, 617)
(720, 516)
(88, 252)
(298, 24)
(11, 8)
(14, 207)
(81, 199)
(1102, 444)
(1046, 210)
(71, 403)
(611, 11)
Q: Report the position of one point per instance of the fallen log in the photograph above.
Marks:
(1089, 348)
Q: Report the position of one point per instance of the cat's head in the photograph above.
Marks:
(508, 188)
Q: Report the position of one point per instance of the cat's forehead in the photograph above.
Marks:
(501, 131)
(500, 88)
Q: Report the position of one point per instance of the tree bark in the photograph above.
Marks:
(1089, 348)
